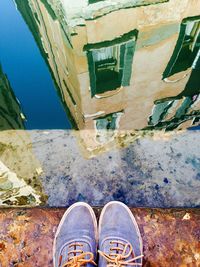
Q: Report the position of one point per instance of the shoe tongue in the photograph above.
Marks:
(112, 242)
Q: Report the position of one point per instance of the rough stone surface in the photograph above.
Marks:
(170, 237)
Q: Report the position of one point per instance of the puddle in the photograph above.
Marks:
(26, 76)
(114, 70)
(142, 74)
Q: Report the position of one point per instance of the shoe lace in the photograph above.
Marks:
(75, 260)
(120, 258)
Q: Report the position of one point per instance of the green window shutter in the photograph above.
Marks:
(92, 73)
(121, 66)
(159, 112)
(128, 61)
(170, 67)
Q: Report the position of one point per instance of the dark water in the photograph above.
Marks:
(28, 73)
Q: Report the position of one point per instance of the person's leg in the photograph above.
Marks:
(75, 242)
(120, 242)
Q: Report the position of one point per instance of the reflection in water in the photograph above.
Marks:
(137, 72)
(122, 68)
(182, 110)
(19, 169)
(11, 116)
(28, 73)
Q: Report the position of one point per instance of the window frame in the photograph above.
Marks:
(127, 46)
(171, 66)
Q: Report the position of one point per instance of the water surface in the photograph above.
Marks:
(28, 73)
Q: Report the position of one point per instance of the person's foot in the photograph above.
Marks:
(75, 242)
(120, 242)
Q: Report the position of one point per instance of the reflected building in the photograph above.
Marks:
(11, 115)
(183, 110)
(121, 65)
(19, 168)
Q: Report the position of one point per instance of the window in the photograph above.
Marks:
(109, 122)
(187, 47)
(94, 1)
(107, 125)
(107, 68)
(110, 63)
(160, 111)
(179, 109)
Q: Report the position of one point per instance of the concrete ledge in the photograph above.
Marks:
(171, 237)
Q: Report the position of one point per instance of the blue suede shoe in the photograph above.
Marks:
(120, 242)
(75, 242)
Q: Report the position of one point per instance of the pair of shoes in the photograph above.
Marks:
(118, 237)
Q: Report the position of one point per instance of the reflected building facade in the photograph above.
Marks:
(121, 65)
(19, 168)
(11, 115)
